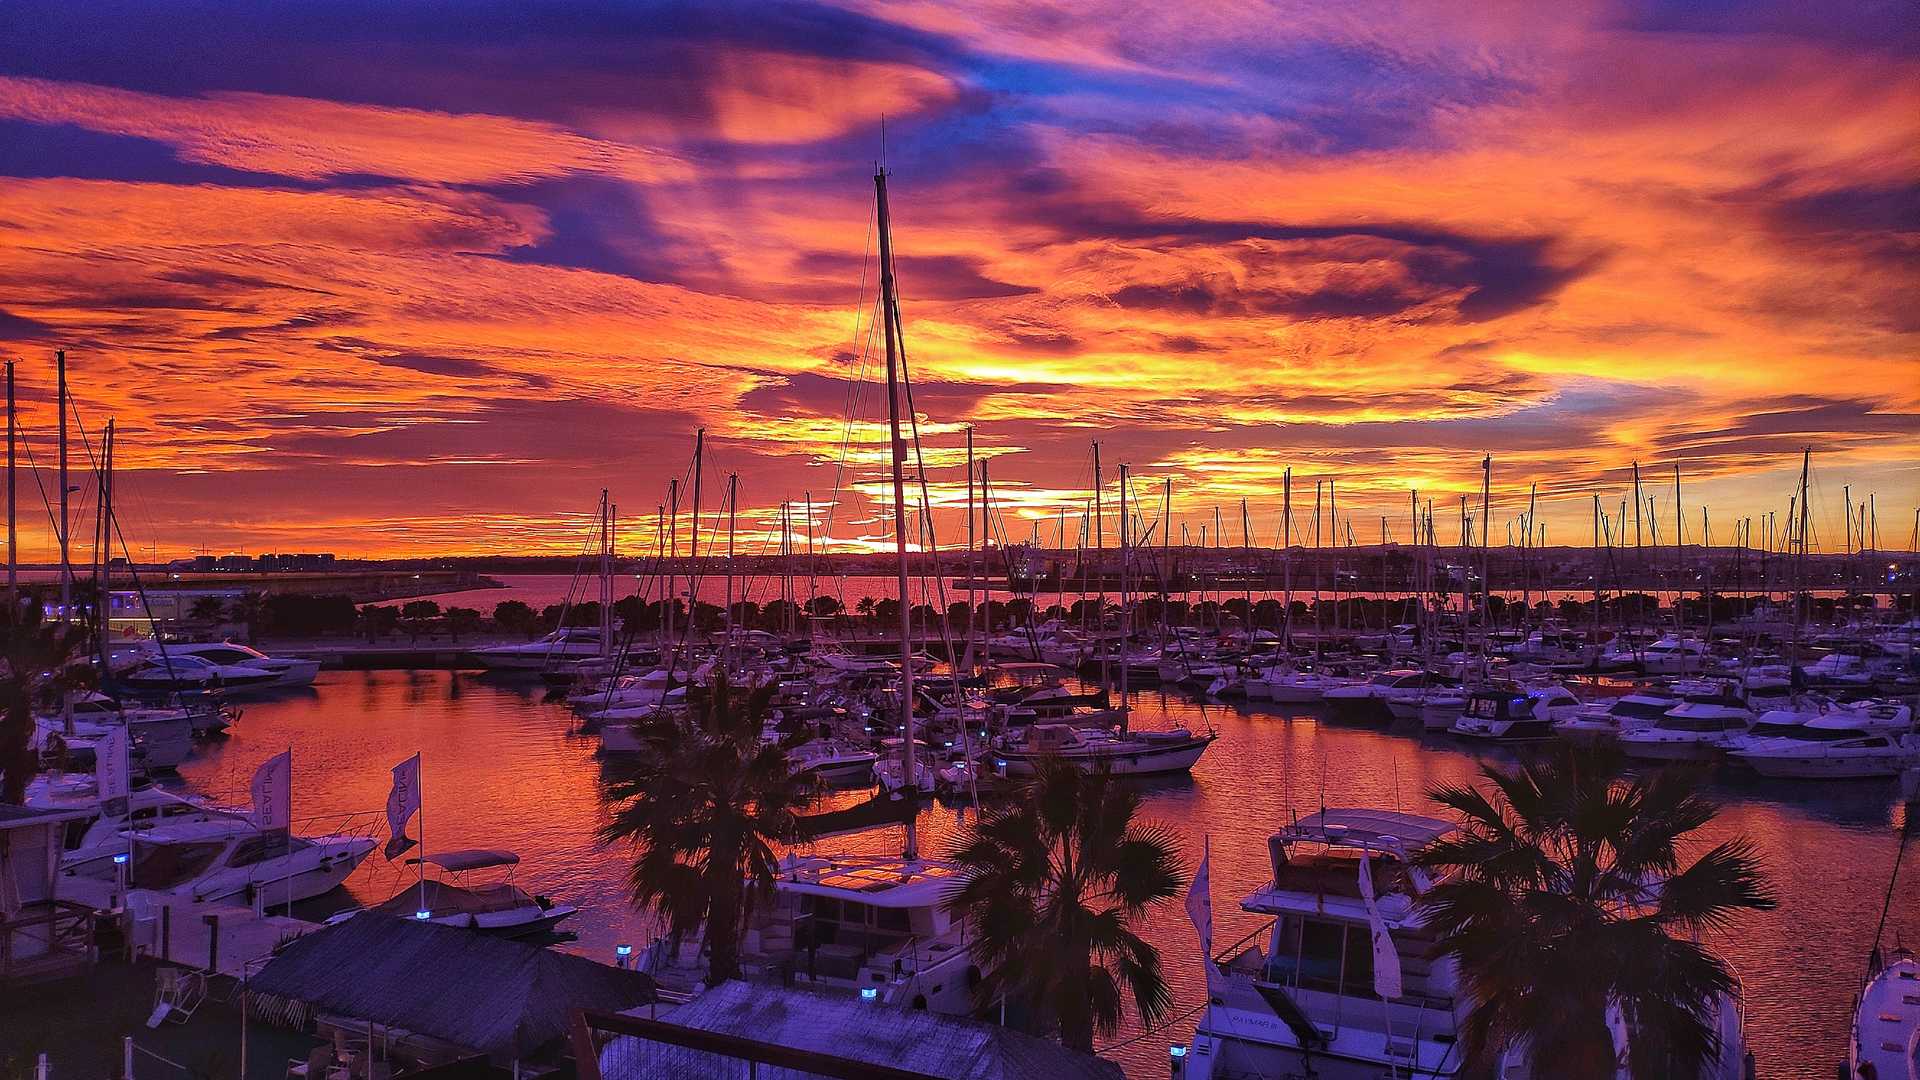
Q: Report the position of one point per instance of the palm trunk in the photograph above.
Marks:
(723, 909)
(1074, 1010)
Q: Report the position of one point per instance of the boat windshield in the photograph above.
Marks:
(1640, 710)
(167, 866)
(1826, 734)
(1774, 729)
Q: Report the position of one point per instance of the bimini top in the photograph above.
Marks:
(881, 881)
(1382, 829)
(468, 859)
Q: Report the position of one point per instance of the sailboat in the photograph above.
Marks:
(872, 925)
(1885, 1041)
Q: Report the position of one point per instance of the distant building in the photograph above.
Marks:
(302, 563)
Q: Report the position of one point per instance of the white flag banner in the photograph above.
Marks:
(402, 802)
(111, 769)
(1386, 961)
(1200, 902)
(273, 792)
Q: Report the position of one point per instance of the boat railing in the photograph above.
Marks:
(1225, 957)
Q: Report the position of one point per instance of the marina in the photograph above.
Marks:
(960, 541)
(528, 783)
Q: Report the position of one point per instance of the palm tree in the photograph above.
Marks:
(703, 808)
(1568, 894)
(40, 658)
(1053, 886)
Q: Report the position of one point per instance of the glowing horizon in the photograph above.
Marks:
(363, 280)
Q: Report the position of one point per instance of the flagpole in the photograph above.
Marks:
(420, 785)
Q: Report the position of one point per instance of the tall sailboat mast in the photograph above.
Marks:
(105, 510)
(13, 544)
(889, 314)
(66, 566)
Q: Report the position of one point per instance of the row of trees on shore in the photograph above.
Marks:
(294, 616)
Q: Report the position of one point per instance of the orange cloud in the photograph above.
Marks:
(316, 140)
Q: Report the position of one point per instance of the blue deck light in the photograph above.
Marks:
(423, 914)
(869, 993)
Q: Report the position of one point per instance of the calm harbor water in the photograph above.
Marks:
(501, 770)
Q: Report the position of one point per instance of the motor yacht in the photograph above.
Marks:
(171, 673)
(625, 691)
(229, 860)
(833, 762)
(288, 672)
(102, 832)
(876, 926)
(1516, 714)
(1137, 753)
(1605, 722)
(1669, 655)
(496, 907)
(1697, 729)
(1299, 996)
(1374, 696)
(565, 644)
(1832, 746)
(1295, 687)
(159, 739)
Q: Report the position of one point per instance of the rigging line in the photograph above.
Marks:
(856, 392)
(850, 404)
(53, 522)
(1163, 1026)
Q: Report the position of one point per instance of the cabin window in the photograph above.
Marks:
(893, 920)
(1357, 976)
(1321, 945)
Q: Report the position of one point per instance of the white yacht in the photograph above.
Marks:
(833, 762)
(1377, 693)
(101, 834)
(1516, 714)
(627, 690)
(871, 925)
(1697, 729)
(1300, 997)
(1138, 753)
(1295, 687)
(288, 673)
(1830, 746)
(229, 860)
(491, 907)
(1669, 655)
(176, 672)
(1442, 707)
(1602, 722)
(567, 643)
(160, 739)
(1885, 1041)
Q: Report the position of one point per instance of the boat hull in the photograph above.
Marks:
(1671, 750)
(1173, 757)
(1837, 767)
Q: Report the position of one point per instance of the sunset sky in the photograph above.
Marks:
(401, 278)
